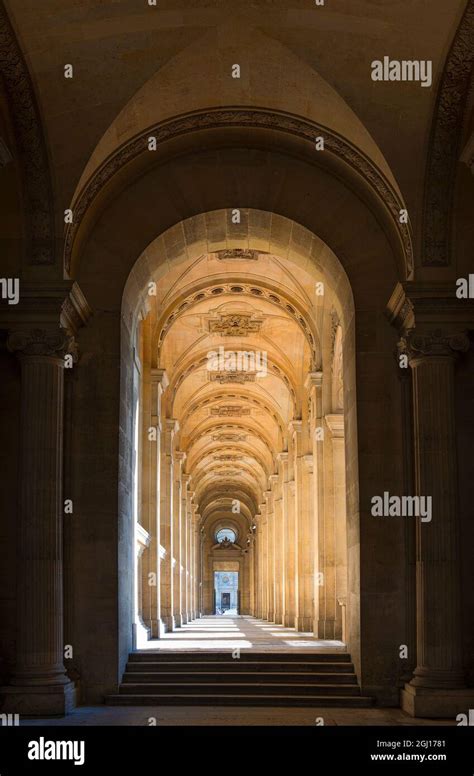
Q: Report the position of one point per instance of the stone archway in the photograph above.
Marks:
(278, 451)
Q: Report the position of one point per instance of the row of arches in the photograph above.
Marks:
(238, 436)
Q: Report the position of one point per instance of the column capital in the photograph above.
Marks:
(308, 459)
(335, 423)
(172, 425)
(160, 377)
(273, 478)
(313, 380)
(50, 342)
(295, 426)
(419, 344)
(282, 457)
(180, 455)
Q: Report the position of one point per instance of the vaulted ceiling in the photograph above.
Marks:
(233, 411)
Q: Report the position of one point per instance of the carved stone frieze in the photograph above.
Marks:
(235, 325)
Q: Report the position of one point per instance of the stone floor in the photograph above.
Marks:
(206, 715)
(224, 633)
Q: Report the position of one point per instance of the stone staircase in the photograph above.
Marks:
(255, 679)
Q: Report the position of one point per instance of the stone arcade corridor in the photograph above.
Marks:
(239, 458)
(236, 261)
(242, 632)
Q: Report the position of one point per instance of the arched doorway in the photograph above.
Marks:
(236, 358)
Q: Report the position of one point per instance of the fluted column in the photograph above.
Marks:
(437, 687)
(166, 522)
(39, 683)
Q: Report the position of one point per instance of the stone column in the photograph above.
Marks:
(264, 578)
(271, 554)
(438, 686)
(285, 508)
(178, 531)
(141, 630)
(335, 424)
(194, 561)
(258, 568)
(277, 538)
(304, 564)
(290, 547)
(166, 522)
(313, 385)
(151, 563)
(39, 685)
(185, 549)
(199, 577)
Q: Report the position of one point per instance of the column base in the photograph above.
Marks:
(178, 621)
(289, 621)
(434, 703)
(304, 624)
(169, 623)
(157, 628)
(39, 700)
(271, 617)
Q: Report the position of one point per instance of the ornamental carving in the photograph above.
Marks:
(232, 377)
(229, 437)
(230, 410)
(433, 343)
(42, 342)
(32, 153)
(237, 254)
(235, 325)
(243, 117)
(246, 289)
(446, 138)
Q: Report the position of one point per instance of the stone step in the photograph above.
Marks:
(245, 688)
(315, 701)
(282, 666)
(179, 677)
(269, 657)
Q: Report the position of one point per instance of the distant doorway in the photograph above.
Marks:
(226, 593)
